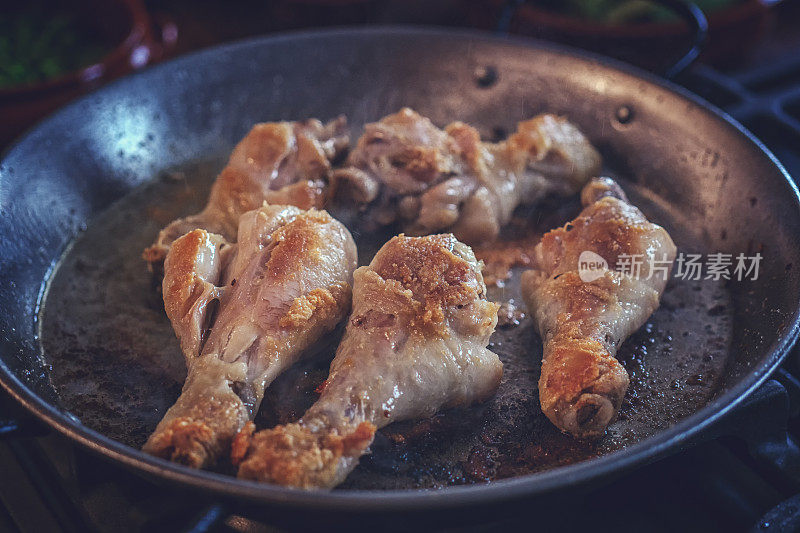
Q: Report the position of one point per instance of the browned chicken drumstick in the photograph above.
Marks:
(283, 163)
(244, 313)
(406, 169)
(415, 343)
(583, 321)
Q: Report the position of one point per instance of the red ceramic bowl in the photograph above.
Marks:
(131, 34)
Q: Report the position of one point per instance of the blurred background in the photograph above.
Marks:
(52, 51)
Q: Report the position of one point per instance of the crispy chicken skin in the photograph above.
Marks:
(582, 324)
(244, 313)
(415, 343)
(406, 169)
(278, 162)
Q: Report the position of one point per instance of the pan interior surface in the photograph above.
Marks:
(145, 150)
(116, 364)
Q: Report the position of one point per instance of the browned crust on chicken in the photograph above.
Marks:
(437, 278)
(185, 282)
(269, 142)
(295, 455)
(299, 240)
(191, 273)
(321, 304)
(202, 435)
(530, 138)
(611, 227)
(235, 192)
(154, 255)
(468, 141)
(241, 442)
(183, 441)
(305, 194)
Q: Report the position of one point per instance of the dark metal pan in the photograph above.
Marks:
(91, 354)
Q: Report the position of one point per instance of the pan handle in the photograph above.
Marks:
(15, 424)
(14, 428)
(686, 10)
(698, 25)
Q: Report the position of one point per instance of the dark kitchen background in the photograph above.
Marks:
(747, 479)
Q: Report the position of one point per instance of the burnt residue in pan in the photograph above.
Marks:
(116, 363)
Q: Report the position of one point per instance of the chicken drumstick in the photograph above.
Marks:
(406, 169)
(244, 313)
(583, 321)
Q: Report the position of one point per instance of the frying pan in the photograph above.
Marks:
(96, 364)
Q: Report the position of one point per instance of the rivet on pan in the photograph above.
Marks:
(624, 114)
(486, 76)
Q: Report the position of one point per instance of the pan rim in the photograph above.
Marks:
(527, 486)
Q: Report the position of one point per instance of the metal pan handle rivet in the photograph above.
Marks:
(624, 114)
(486, 76)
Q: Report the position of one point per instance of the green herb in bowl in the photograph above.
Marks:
(37, 45)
